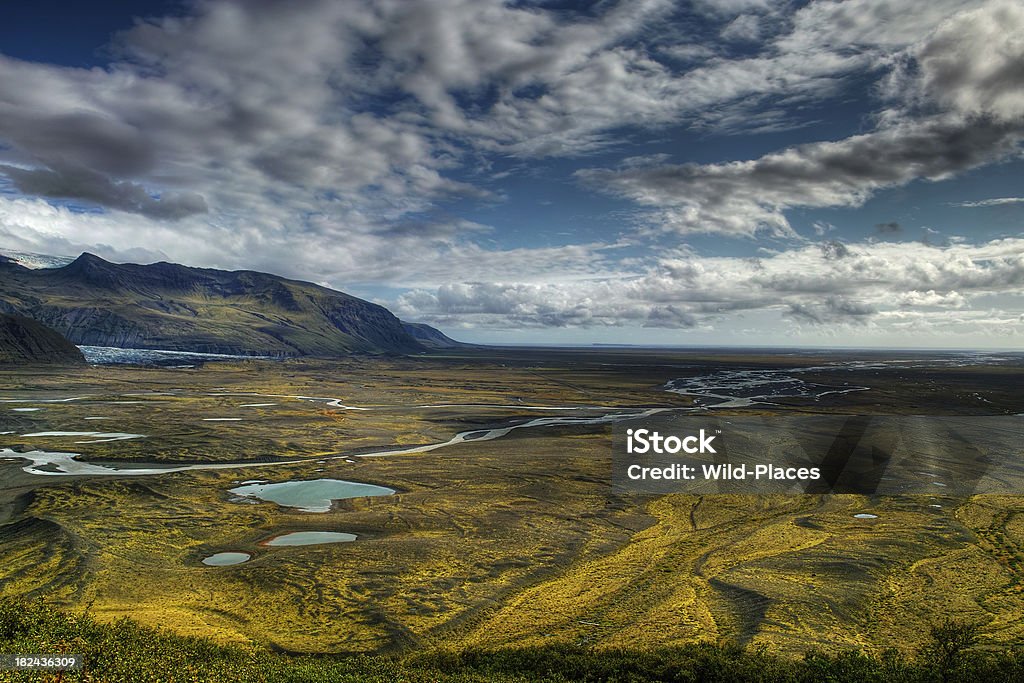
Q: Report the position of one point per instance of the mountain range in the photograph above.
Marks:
(163, 305)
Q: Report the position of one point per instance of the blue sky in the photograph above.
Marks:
(739, 172)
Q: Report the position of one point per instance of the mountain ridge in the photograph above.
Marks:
(171, 306)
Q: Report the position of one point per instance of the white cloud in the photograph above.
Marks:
(361, 109)
(744, 28)
(744, 197)
(814, 284)
(325, 141)
(931, 298)
(996, 201)
(972, 64)
(971, 69)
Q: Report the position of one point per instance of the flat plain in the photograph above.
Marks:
(506, 541)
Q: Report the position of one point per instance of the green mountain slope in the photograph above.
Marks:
(169, 306)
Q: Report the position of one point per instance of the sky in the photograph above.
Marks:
(727, 172)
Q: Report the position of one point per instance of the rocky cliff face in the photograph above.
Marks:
(25, 341)
(169, 306)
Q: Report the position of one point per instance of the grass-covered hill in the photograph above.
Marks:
(169, 306)
(126, 652)
(24, 341)
(430, 337)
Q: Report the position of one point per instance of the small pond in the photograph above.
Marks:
(314, 495)
(310, 538)
(226, 559)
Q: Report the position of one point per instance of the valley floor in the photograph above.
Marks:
(516, 541)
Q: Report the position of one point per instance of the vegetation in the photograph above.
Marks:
(169, 306)
(511, 545)
(23, 340)
(126, 651)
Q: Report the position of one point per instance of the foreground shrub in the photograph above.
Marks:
(125, 652)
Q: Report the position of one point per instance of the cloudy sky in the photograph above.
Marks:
(737, 172)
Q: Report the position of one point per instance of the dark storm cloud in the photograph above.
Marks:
(743, 197)
(86, 139)
(84, 184)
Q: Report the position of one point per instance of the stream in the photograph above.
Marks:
(715, 390)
